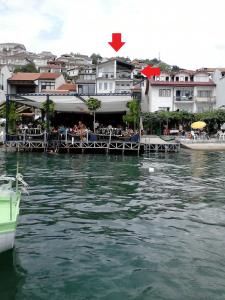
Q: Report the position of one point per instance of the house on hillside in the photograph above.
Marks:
(191, 91)
(21, 83)
(114, 76)
(50, 68)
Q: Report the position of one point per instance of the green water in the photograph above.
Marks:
(103, 227)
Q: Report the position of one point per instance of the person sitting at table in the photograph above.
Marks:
(81, 129)
(75, 129)
(166, 131)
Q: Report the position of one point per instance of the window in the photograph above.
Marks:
(105, 85)
(181, 78)
(162, 78)
(164, 92)
(100, 86)
(47, 85)
(186, 78)
(110, 86)
(204, 94)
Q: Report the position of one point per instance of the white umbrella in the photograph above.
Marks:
(2, 120)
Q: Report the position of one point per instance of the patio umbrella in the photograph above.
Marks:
(198, 125)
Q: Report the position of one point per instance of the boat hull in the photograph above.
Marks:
(7, 241)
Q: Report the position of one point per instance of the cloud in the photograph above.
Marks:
(53, 30)
(185, 33)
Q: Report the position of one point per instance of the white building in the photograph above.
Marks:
(114, 76)
(219, 78)
(5, 74)
(184, 91)
(50, 68)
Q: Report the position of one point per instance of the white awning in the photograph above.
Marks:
(74, 104)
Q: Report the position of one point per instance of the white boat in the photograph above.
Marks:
(9, 209)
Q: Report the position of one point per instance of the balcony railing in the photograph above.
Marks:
(184, 99)
(195, 99)
(110, 75)
(123, 91)
(206, 99)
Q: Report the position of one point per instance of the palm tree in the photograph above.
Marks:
(93, 104)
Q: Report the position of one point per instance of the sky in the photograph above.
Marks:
(189, 34)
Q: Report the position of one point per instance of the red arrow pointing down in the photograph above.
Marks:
(149, 71)
(116, 43)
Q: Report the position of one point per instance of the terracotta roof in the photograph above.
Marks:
(33, 76)
(25, 76)
(182, 83)
(67, 87)
(49, 75)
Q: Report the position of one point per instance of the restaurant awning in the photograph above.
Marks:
(71, 103)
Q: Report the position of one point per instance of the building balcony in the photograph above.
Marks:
(184, 99)
(110, 75)
(206, 99)
(123, 91)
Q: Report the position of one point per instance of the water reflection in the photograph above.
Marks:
(198, 163)
(11, 275)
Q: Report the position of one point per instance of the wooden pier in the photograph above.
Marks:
(156, 144)
(43, 142)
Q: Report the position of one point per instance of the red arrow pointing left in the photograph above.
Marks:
(150, 71)
(116, 43)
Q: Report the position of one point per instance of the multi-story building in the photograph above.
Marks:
(218, 77)
(191, 91)
(114, 76)
(86, 81)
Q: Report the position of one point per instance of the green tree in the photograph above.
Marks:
(95, 58)
(29, 68)
(49, 108)
(133, 116)
(93, 104)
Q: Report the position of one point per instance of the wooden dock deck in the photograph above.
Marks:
(153, 143)
(72, 145)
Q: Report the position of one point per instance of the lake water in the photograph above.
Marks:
(103, 227)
